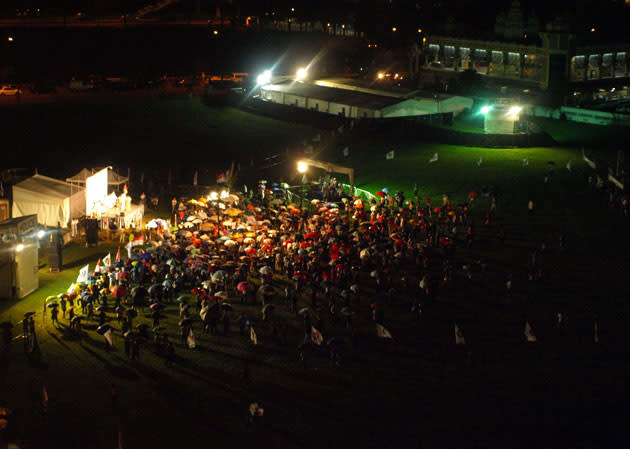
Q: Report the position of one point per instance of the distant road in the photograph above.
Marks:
(110, 22)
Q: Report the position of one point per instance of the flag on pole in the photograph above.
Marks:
(137, 241)
(459, 336)
(83, 274)
(72, 287)
(107, 260)
(389, 155)
(382, 332)
(108, 337)
(479, 162)
(569, 165)
(525, 162)
(128, 246)
(316, 336)
(97, 269)
(252, 336)
(434, 158)
(595, 332)
(529, 334)
(190, 340)
(195, 178)
(346, 152)
(118, 255)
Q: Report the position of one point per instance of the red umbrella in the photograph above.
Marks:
(380, 193)
(250, 251)
(243, 287)
(472, 195)
(323, 209)
(359, 205)
(436, 210)
(119, 291)
(305, 244)
(295, 211)
(267, 247)
(298, 275)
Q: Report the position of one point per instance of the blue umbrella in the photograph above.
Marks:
(145, 256)
(385, 190)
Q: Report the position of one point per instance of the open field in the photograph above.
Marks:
(420, 390)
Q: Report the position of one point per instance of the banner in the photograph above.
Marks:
(316, 336)
(382, 332)
(107, 260)
(83, 274)
(108, 337)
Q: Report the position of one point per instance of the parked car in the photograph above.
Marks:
(9, 90)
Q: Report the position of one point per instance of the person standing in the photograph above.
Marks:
(54, 312)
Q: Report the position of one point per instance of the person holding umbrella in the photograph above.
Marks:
(54, 312)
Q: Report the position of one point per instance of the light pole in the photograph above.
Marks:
(302, 167)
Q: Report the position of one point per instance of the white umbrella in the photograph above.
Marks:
(230, 243)
(265, 270)
(188, 225)
(364, 254)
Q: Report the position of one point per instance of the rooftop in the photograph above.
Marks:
(335, 95)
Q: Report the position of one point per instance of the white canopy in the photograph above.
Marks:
(113, 178)
(52, 200)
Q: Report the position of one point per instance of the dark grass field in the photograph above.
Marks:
(419, 390)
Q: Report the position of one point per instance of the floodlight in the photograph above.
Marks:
(514, 110)
(301, 74)
(19, 247)
(224, 194)
(380, 75)
(486, 109)
(302, 166)
(213, 196)
(41, 234)
(264, 78)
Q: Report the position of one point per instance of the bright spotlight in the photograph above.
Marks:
(301, 74)
(213, 196)
(41, 234)
(302, 166)
(224, 194)
(380, 75)
(486, 109)
(264, 78)
(19, 247)
(514, 110)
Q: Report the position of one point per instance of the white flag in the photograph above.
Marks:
(316, 336)
(528, 333)
(72, 287)
(190, 340)
(525, 162)
(382, 332)
(108, 337)
(479, 162)
(83, 274)
(346, 152)
(389, 155)
(97, 269)
(434, 158)
(195, 178)
(595, 332)
(252, 336)
(459, 336)
(203, 313)
(128, 246)
(107, 260)
(569, 165)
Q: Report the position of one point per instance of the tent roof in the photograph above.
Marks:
(113, 179)
(47, 186)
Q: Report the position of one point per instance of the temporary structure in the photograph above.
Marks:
(52, 200)
(113, 178)
(19, 259)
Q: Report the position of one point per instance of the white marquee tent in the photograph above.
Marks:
(52, 200)
(113, 178)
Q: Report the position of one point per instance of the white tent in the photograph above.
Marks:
(52, 200)
(113, 178)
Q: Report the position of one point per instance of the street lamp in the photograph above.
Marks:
(301, 74)
(485, 110)
(514, 111)
(264, 78)
(19, 248)
(302, 167)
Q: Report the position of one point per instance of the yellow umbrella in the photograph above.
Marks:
(233, 212)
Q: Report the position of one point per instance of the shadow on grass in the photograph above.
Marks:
(84, 260)
(116, 370)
